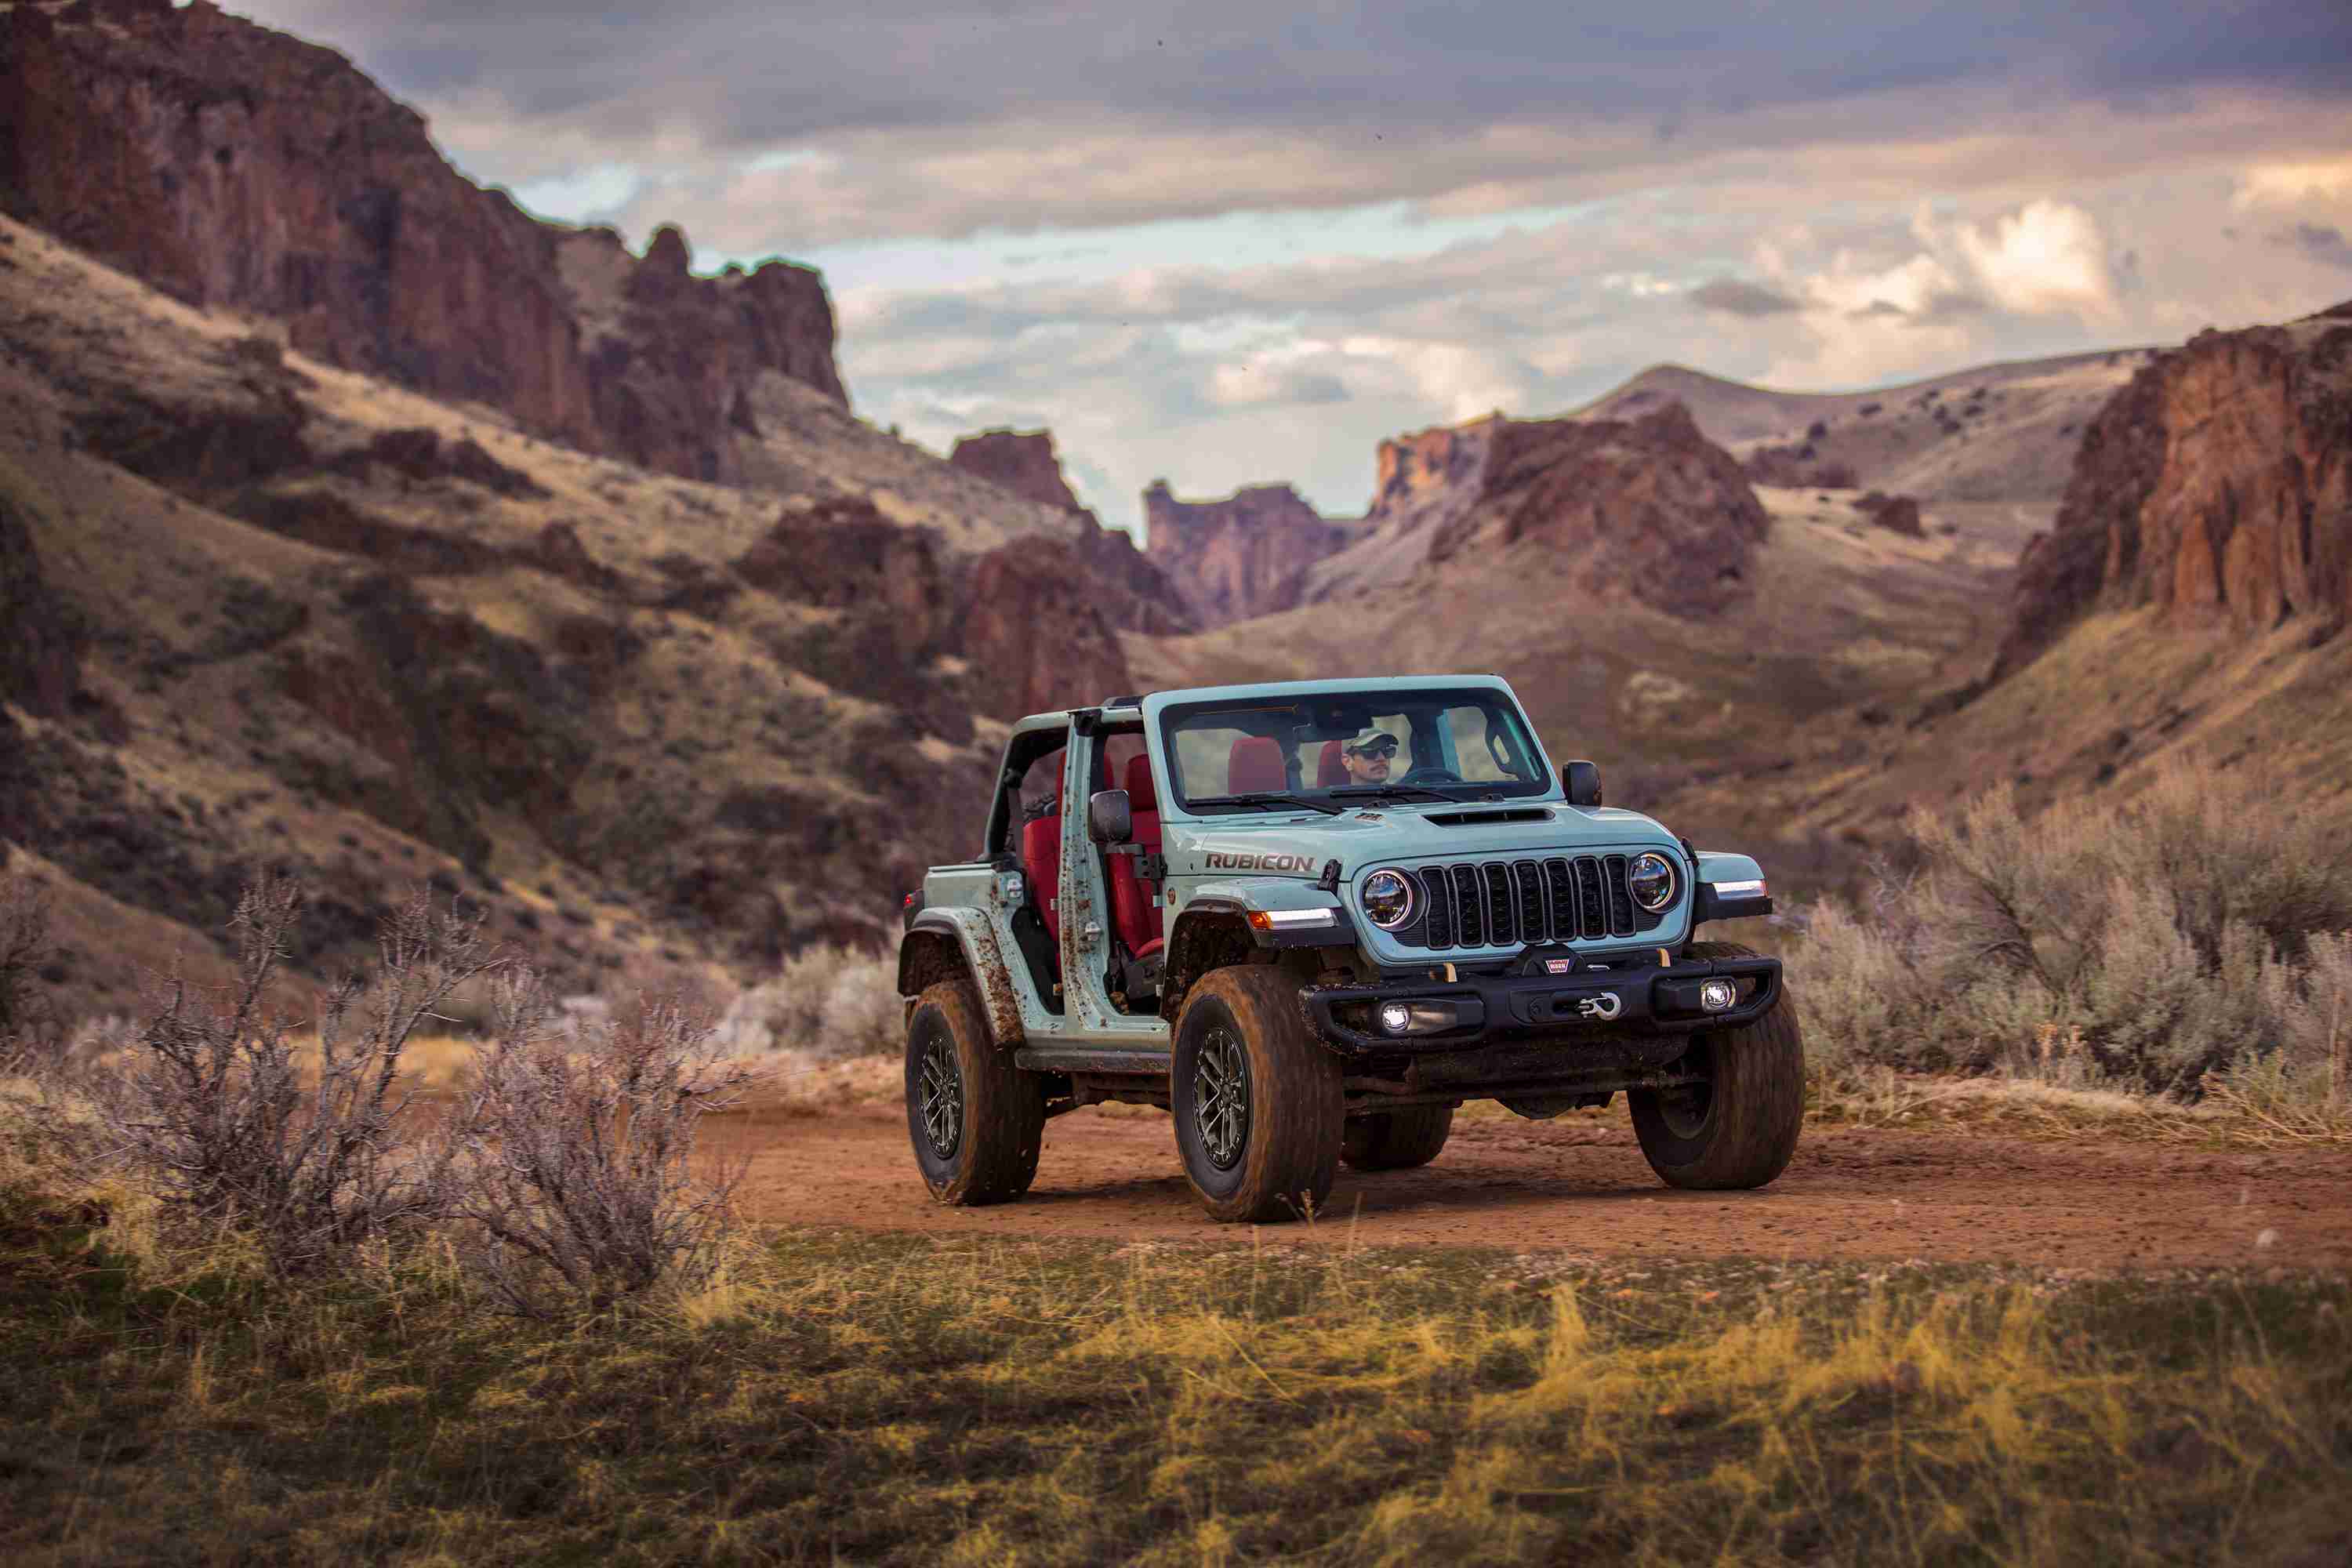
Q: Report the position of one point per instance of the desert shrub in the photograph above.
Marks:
(2189, 931)
(221, 1114)
(831, 1001)
(572, 1160)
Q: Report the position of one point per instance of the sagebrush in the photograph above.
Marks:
(2193, 932)
(226, 1110)
(829, 1001)
(573, 1156)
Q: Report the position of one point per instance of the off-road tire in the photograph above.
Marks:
(1287, 1150)
(1000, 1115)
(1741, 1129)
(1396, 1139)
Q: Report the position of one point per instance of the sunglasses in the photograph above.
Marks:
(1382, 749)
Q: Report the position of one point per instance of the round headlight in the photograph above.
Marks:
(1387, 897)
(1651, 880)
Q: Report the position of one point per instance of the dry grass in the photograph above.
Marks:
(893, 1399)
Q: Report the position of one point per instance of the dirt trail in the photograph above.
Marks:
(1581, 1185)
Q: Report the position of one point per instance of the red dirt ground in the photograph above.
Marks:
(1581, 1186)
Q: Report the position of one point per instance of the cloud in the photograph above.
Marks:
(763, 127)
(2048, 256)
(2318, 241)
(1258, 384)
(1739, 299)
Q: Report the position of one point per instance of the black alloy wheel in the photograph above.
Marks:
(940, 1086)
(976, 1121)
(1258, 1105)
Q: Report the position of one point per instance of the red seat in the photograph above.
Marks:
(1130, 896)
(1255, 765)
(1330, 773)
(1041, 857)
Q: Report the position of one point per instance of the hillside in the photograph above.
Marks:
(1654, 609)
(1990, 436)
(2188, 604)
(263, 611)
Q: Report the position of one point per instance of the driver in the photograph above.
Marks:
(1367, 757)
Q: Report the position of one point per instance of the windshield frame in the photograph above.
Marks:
(1379, 699)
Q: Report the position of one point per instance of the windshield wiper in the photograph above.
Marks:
(1270, 799)
(1388, 791)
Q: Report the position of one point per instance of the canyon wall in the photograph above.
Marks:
(2217, 486)
(234, 166)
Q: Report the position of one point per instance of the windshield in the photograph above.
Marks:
(1447, 744)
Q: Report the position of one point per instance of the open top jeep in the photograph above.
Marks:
(1311, 918)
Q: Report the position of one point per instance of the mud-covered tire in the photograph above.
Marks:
(1396, 1139)
(1740, 1127)
(1243, 1030)
(1000, 1111)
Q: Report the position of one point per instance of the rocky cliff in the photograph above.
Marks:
(2217, 485)
(1246, 555)
(1123, 585)
(231, 165)
(1023, 461)
(1645, 508)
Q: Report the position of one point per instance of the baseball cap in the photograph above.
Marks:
(1367, 738)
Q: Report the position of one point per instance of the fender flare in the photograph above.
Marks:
(953, 943)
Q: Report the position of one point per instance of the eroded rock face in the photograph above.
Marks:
(1246, 555)
(231, 165)
(1647, 506)
(1037, 639)
(1027, 622)
(1023, 461)
(2217, 485)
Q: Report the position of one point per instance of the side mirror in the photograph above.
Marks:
(1583, 783)
(1108, 821)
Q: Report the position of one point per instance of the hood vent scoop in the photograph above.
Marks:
(1480, 818)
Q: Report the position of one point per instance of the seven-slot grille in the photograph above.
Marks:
(1497, 903)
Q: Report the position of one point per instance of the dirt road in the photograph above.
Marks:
(1581, 1187)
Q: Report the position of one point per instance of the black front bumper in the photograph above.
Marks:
(1586, 1004)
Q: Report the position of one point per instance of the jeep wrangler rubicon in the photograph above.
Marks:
(1313, 918)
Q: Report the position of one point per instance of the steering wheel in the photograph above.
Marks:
(1431, 775)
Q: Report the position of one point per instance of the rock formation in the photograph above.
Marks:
(2217, 485)
(1025, 620)
(1127, 586)
(1023, 461)
(1246, 555)
(142, 133)
(1645, 508)
(1897, 514)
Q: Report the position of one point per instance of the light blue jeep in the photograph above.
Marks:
(1311, 918)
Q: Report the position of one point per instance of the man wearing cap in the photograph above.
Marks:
(1367, 757)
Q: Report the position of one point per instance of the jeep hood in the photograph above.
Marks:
(1375, 835)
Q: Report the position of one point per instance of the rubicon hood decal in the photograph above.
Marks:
(1269, 860)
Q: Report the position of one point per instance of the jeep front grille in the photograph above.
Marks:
(1505, 903)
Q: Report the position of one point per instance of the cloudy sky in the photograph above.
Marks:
(1229, 242)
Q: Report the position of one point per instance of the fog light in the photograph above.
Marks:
(1395, 1017)
(1717, 996)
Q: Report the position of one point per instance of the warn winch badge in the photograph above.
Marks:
(1227, 860)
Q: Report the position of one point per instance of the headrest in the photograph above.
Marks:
(1140, 795)
(1255, 765)
(1329, 770)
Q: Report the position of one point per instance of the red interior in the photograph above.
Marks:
(1130, 896)
(1255, 765)
(1041, 859)
(1329, 770)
